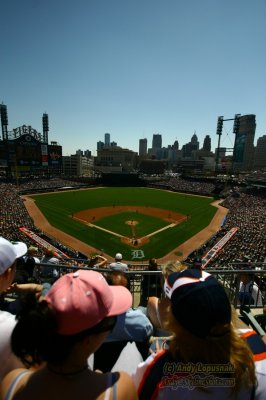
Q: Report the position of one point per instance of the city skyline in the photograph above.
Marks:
(133, 69)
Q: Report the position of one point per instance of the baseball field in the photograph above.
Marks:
(139, 222)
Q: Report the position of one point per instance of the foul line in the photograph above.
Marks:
(121, 236)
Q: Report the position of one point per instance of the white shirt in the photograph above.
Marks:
(254, 291)
(118, 266)
(8, 360)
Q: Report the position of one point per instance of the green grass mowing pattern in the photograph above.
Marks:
(58, 207)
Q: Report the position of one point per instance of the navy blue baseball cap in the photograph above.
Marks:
(199, 302)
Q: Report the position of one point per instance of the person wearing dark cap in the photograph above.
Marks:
(59, 334)
(206, 358)
(9, 254)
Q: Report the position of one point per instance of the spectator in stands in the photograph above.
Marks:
(133, 325)
(21, 274)
(151, 283)
(32, 253)
(50, 256)
(49, 273)
(249, 292)
(257, 344)
(204, 338)
(62, 331)
(118, 278)
(9, 254)
(117, 265)
(157, 308)
(30, 260)
(97, 261)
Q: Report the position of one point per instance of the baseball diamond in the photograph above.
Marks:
(139, 222)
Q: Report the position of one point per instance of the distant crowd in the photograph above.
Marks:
(13, 215)
(178, 184)
(246, 212)
(73, 332)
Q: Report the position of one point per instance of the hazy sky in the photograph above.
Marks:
(133, 68)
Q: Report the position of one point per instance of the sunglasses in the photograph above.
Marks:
(107, 324)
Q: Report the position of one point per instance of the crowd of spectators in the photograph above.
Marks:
(178, 184)
(51, 348)
(191, 327)
(14, 215)
(247, 247)
(246, 212)
(44, 184)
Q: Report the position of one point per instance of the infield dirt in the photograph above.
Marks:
(179, 253)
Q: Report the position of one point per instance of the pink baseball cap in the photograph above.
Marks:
(83, 299)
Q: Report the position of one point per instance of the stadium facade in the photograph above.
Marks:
(26, 152)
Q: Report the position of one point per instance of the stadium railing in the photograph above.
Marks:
(229, 278)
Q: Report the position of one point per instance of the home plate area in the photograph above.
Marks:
(90, 216)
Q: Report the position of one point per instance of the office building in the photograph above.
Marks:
(260, 153)
(107, 137)
(143, 147)
(115, 159)
(207, 143)
(156, 141)
(243, 154)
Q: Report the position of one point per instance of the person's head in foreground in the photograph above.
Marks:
(170, 267)
(10, 252)
(79, 310)
(200, 318)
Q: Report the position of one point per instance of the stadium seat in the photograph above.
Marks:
(261, 318)
(250, 319)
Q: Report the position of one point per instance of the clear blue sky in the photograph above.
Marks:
(133, 68)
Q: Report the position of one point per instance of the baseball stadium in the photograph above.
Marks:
(75, 236)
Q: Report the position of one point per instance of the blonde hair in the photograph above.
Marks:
(224, 348)
(172, 266)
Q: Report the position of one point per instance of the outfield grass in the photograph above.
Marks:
(58, 208)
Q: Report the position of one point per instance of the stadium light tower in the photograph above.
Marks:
(219, 130)
(236, 123)
(4, 121)
(45, 127)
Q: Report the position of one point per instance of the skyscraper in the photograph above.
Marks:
(243, 155)
(260, 153)
(142, 147)
(194, 142)
(107, 139)
(175, 145)
(157, 141)
(207, 143)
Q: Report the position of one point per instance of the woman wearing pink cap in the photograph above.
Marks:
(60, 333)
